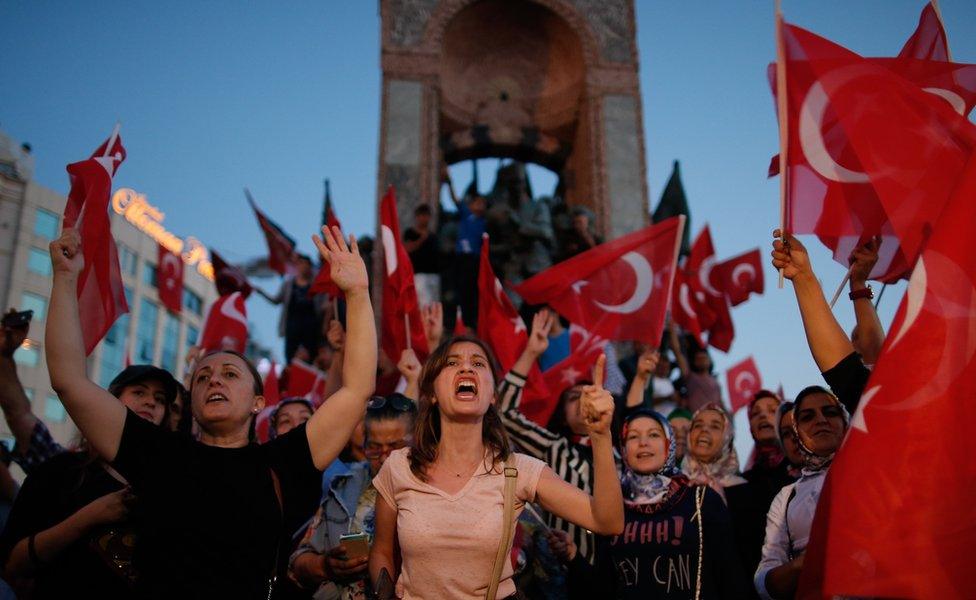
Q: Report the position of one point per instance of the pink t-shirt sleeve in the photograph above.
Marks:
(384, 482)
(529, 471)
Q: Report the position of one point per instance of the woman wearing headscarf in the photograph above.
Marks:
(819, 423)
(711, 458)
(664, 550)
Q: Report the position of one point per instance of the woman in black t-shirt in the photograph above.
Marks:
(219, 509)
(69, 527)
(664, 552)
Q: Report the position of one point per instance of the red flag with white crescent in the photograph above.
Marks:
(226, 325)
(685, 308)
(169, 279)
(281, 246)
(618, 290)
(742, 381)
(741, 276)
(885, 526)
(101, 294)
(400, 306)
(585, 348)
(709, 291)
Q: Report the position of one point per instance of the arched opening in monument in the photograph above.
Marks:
(512, 85)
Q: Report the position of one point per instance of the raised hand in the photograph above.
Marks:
(542, 323)
(596, 404)
(432, 317)
(863, 260)
(561, 544)
(647, 362)
(11, 338)
(409, 365)
(346, 266)
(790, 256)
(66, 255)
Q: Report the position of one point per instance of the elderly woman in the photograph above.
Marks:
(221, 508)
(442, 500)
(675, 529)
(711, 458)
(819, 423)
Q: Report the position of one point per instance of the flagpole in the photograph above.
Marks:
(840, 288)
(880, 293)
(938, 13)
(112, 138)
(782, 109)
(406, 323)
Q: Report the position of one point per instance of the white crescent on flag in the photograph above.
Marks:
(173, 264)
(389, 250)
(642, 290)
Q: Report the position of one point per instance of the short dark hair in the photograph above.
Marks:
(304, 257)
(422, 209)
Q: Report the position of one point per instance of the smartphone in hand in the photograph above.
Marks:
(356, 545)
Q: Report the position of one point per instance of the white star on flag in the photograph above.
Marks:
(570, 376)
(519, 325)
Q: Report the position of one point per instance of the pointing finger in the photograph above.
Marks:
(598, 370)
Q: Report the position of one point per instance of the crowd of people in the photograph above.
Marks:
(443, 489)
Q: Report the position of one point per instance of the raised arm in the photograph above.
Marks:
(337, 339)
(603, 512)
(276, 299)
(13, 400)
(679, 356)
(410, 367)
(646, 363)
(97, 413)
(828, 342)
(332, 424)
(869, 334)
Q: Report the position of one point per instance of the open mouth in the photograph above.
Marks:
(466, 389)
(704, 442)
(145, 414)
(216, 398)
(764, 427)
(645, 455)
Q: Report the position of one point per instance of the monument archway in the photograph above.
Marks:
(552, 82)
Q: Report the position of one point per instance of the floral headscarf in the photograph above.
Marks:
(813, 462)
(650, 488)
(722, 472)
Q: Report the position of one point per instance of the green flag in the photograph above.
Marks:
(674, 202)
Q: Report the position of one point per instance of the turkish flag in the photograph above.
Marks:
(302, 378)
(929, 41)
(101, 295)
(228, 278)
(619, 290)
(685, 309)
(887, 526)
(272, 395)
(850, 171)
(709, 291)
(585, 348)
(743, 381)
(741, 275)
(322, 284)
(399, 294)
(226, 325)
(500, 325)
(281, 246)
(169, 279)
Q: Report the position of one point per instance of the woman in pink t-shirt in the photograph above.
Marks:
(440, 504)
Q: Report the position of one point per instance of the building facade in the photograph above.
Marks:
(30, 217)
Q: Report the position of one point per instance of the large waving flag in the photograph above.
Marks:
(832, 189)
(280, 244)
(887, 526)
(402, 325)
(709, 291)
(226, 325)
(618, 290)
(500, 325)
(101, 295)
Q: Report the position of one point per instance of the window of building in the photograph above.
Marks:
(27, 356)
(34, 302)
(114, 347)
(54, 410)
(46, 224)
(146, 332)
(192, 302)
(149, 274)
(128, 261)
(171, 334)
(39, 261)
(191, 335)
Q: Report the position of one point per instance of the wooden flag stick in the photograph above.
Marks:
(880, 293)
(840, 288)
(938, 13)
(781, 109)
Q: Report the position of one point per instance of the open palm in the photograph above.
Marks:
(346, 266)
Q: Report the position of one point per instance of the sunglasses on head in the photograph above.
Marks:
(396, 401)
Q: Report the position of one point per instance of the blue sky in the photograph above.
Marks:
(214, 96)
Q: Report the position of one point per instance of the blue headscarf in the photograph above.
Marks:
(650, 488)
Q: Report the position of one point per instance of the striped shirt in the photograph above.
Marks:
(569, 461)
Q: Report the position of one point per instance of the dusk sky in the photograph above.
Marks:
(215, 96)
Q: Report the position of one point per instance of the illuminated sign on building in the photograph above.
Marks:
(147, 218)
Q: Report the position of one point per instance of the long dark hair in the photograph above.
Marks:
(557, 420)
(427, 430)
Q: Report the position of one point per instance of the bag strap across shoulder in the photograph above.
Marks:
(511, 476)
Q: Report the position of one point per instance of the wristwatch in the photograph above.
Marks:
(865, 292)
